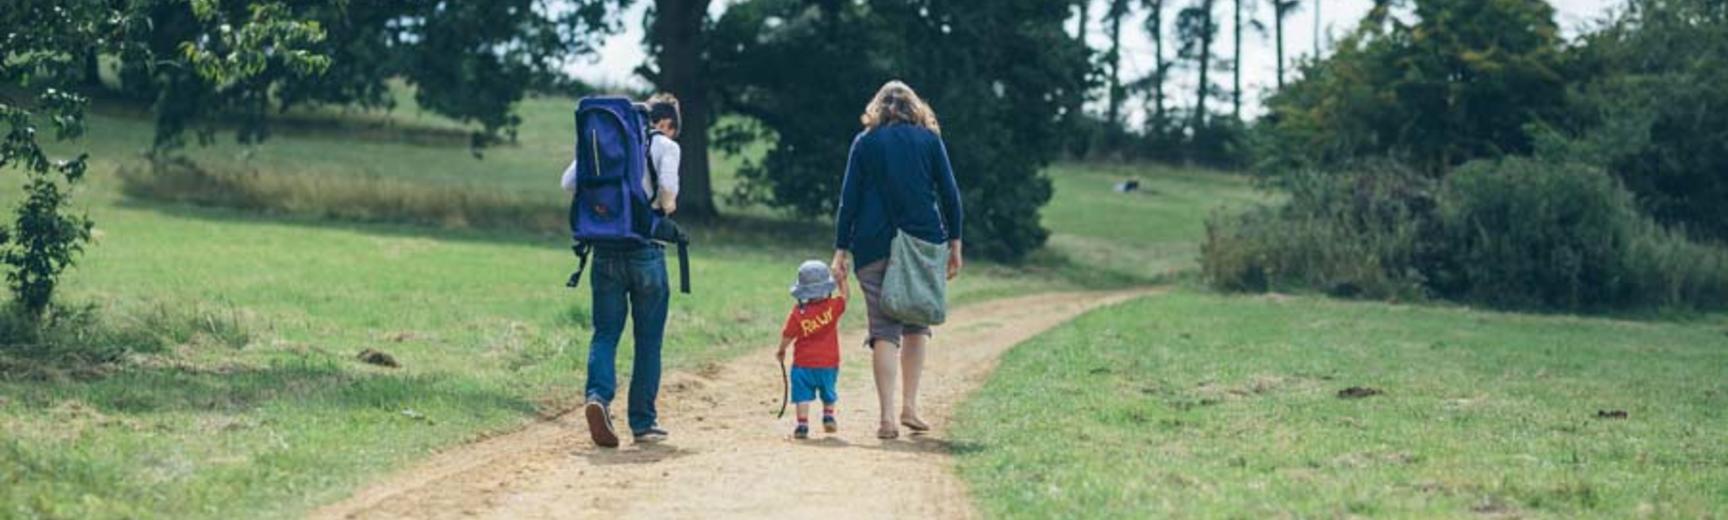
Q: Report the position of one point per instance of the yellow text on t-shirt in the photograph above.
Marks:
(811, 325)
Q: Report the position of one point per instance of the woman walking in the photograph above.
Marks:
(898, 179)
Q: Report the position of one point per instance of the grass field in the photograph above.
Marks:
(1196, 405)
(487, 335)
(1150, 234)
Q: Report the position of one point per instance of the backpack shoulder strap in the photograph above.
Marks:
(653, 169)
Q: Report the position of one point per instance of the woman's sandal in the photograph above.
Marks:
(917, 426)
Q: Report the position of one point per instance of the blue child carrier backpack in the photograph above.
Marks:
(611, 207)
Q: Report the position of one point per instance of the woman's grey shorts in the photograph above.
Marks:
(883, 327)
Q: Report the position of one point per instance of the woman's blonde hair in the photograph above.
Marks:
(897, 103)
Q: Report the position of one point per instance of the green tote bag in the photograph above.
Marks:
(915, 288)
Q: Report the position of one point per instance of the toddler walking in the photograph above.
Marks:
(813, 327)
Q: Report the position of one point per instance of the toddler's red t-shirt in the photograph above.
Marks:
(816, 326)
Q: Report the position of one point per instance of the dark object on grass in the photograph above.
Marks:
(1611, 414)
(1128, 186)
(1358, 392)
(374, 357)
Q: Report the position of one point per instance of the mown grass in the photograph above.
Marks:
(274, 415)
(1196, 405)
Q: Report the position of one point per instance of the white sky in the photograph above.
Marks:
(622, 53)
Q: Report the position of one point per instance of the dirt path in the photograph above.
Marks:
(729, 456)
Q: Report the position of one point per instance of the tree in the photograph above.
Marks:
(1197, 29)
(1118, 10)
(470, 61)
(46, 236)
(1317, 51)
(1281, 9)
(1461, 82)
(1236, 65)
(1651, 87)
(677, 37)
(1085, 8)
(1155, 79)
(1004, 76)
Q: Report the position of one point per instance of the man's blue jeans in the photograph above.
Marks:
(629, 284)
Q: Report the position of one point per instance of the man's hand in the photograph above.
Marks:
(670, 205)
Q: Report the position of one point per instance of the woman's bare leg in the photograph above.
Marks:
(911, 372)
(885, 356)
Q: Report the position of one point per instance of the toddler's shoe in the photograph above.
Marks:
(830, 425)
(802, 432)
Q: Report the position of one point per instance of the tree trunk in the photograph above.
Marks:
(1207, 33)
(1236, 67)
(677, 33)
(1316, 29)
(1118, 10)
(1279, 10)
(92, 68)
(1085, 18)
(1156, 30)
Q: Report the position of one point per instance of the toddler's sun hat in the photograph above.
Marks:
(814, 281)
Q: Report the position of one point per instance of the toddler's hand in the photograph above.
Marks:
(780, 355)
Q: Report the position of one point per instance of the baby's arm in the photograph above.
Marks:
(784, 342)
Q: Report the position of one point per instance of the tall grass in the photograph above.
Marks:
(363, 199)
(88, 340)
(1345, 235)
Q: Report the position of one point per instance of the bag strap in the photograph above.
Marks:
(684, 266)
(581, 250)
(653, 169)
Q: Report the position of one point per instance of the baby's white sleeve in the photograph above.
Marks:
(569, 179)
(670, 155)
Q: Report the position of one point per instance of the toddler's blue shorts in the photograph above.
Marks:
(808, 382)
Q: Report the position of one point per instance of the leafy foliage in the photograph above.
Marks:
(1514, 233)
(46, 235)
(1531, 234)
(1651, 90)
(1004, 76)
(470, 61)
(1459, 83)
(1362, 233)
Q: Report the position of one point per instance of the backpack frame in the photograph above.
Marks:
(611, 206)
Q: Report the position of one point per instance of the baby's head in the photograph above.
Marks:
(815, 282)
(664, 114)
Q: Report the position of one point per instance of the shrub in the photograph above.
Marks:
(1532, 234)
(1354, 234)
(1515, 233)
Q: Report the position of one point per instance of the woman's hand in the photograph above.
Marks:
(839, 266)
(956, 260)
